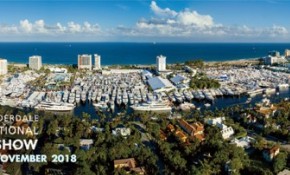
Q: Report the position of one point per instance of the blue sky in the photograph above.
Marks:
(145, 21)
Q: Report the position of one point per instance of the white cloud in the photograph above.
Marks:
(26, 26)
(40, 27)
(186, 24)
(188, 17)
(191, 24)
(73, 27)
(8, 29)
(162, 12)
(60, 27)
(276, 30)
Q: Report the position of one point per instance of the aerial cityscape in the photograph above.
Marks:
(181, 92)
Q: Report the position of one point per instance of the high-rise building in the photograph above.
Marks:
(161, 63)
(287, 53)
(35, 62)
(3, 66)
(85, 61)
(97, 62)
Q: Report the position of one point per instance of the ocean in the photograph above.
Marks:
(136, 53)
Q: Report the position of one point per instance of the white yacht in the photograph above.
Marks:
(72, 97)
(208, 95)
(125, 98)
(78, 96)
(207, 105)
(50, 106)
(65, 96)
(84, 96)
(283, 86)
(188, 96)
(154, 106)
(270, 90)
(178, 97)
(199, 95)
(100, 106)
(254, 92)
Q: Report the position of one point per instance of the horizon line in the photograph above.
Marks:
(151, 42)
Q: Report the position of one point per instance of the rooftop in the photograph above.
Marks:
(157, 83)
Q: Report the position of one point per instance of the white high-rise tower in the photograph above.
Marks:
(97, 62)
(161, 63)
(3, 66)
(35, 62)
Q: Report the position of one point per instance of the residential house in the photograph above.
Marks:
(269, 154)
(215, 121)
(266, 111)
(196, 130)
(181, 135)
(244, 142)
(85, 144)
(122, 131)
(170, 127)
(128, 164)
(226, 131)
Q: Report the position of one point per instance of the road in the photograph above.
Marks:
(148, 141)
(272, 139)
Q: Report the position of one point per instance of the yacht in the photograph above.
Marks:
(131, 98)
(199, 95)
(99, 96)
(154, 106)
(229, 92)
(178, 97)
(84, 96)
(90, 95)
(100, 106)
(270, 90)
(51, 106)
(125, 98)
(78, 96)
(207, 105)
(254, 92)
(94, 96)
(188, 96)
(65, 96)
(208, 95)
(72, 97)
(283, 86)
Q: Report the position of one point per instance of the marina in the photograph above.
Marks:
(130, 91)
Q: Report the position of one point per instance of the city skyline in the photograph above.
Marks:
(145, 21)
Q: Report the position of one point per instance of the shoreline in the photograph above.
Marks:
(232, 62)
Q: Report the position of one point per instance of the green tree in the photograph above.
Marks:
(279, 162)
